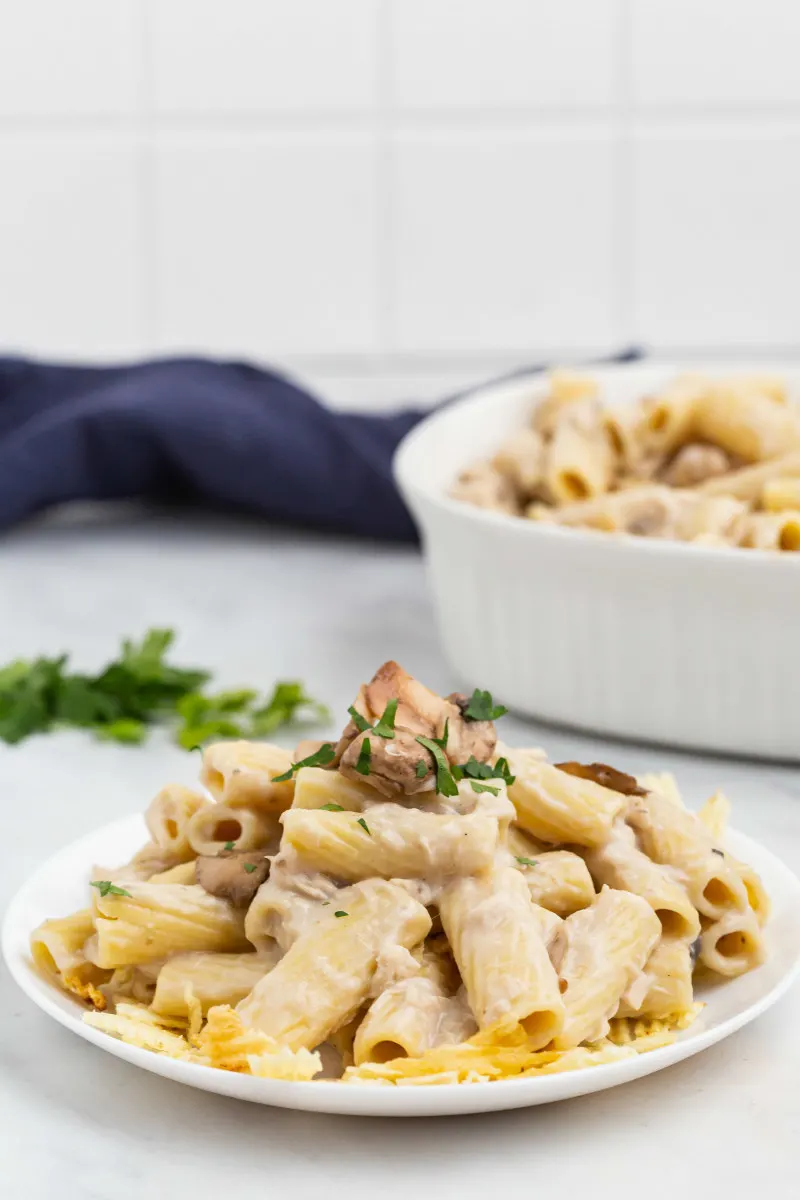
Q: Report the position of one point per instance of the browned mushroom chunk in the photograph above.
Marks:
(394, 763)
(400, 765)
(608, 777)
(466, 738)
(234, 875)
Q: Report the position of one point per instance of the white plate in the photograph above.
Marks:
(59, 887)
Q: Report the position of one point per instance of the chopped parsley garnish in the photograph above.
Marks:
(320, 758)
(106, 888)
(482, 707)
(714, 850)
(365, 754)
(384, 727)
(333, 808)
(526, 862)
(445, 783)
(480, 770)
(229, 845)
(361, 723)
(249, 867)
(138, 689)
(364, 826)
(421, 770)
(341, 913)
(483, 787)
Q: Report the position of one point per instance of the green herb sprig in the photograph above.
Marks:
(481, 707)
(106, 888)
(139, 689)
(320, 758)
(384, 726)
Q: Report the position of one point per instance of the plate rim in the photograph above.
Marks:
(363, 1100)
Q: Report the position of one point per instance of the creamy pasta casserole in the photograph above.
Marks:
(416, 903)
(709, 461)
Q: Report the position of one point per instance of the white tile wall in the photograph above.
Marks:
(266, 244)
(503, 241)
(491, 55)
(394, 196)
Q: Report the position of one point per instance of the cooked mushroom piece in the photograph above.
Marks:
(467, 738)
(608, 777)
(393, 766)
(399, 764)
(234, 875)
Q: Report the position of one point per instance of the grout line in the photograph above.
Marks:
(384, 180)
(147, 197)
(624, 183)
(533, 121)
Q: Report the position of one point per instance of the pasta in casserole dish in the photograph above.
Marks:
(702, 460)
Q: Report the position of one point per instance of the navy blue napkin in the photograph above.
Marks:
(194, 431)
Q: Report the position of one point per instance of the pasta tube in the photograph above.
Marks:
(211, 828)
(665, 985)
(605, 948)
(325, 977)
(558, 881)
(677, 838)
(57, 947)
(498, 944)
(747, 482)
(777, 495)
(315, 788)
(769, 531)
(155, 921)
(746, 422)
(208, 979)
(558, 807)
(168, 817)
(410, 1017)
(620, 864)
(287, 904)
(391, 842)
(578, 461)
(242, 773)
(733, 944)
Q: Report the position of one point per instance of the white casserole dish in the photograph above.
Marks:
(646, 639)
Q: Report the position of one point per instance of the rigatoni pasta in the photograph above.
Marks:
(497, 915)
(702, 460)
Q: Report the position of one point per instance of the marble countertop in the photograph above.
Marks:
(258, 605)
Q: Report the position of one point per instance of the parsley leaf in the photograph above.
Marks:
(385, 727)
(421, 770)
(364, 826)
(481, 707)
(249, 867)
(526, 862)
(364, 757)
(480, 770)
(228, 845)
(106, 888)
(483, 787)
(332, 807)
(320, 758)
(341, 913)
(137, 689)
(361, 723)
(445, 783)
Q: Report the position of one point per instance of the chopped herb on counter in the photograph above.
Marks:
(137, 690)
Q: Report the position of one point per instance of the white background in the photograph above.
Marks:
(394, 197)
